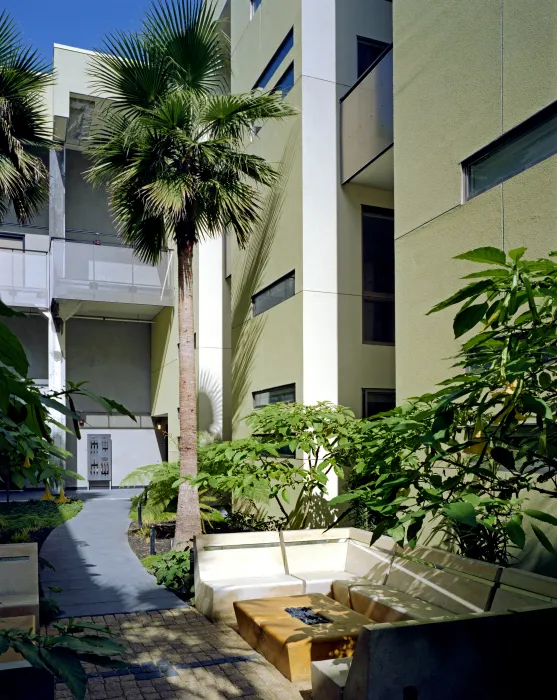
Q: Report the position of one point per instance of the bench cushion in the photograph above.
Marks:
(384, 604)
(322, 581)
(215, 599)
(450, 591)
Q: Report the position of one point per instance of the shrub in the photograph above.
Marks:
(171, 569)
(463, 461)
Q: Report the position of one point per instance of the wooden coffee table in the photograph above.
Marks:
(291, 644)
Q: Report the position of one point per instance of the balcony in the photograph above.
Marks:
(367, 127)
(24, 278)
(109, 273)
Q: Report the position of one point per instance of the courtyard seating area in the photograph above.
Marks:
(264, 584)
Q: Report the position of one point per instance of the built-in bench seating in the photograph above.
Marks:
(382, 582)
(19, 580)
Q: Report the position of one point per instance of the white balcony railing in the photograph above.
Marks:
(24, 278)
(106, 273)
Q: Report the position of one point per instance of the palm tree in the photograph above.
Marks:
(24, 126)
(169, 147)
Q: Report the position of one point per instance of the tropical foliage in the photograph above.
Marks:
(159, 498)
(171, 569)
(24, 124)
(465, 460)
(62, 654)
(170, 147)
(289, 456)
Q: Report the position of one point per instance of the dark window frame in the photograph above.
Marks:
(277, 87)
(289, 275)
(281, 387)
(499, 144)
(367, 391)
(272, 67)
(254, 6)
(376, 44)
(374, 296)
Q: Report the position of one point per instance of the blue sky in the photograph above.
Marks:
(73, 22)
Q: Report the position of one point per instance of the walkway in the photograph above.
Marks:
(180, 655)
(94, 565)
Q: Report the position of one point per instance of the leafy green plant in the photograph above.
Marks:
(171, 569)
(291, 453)
(62, 655)
(463, 461)
(34, 516)
(159, 498)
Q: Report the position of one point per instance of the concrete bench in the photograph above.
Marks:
(422, 584)
(245, 566)
(19, 580)
(239, 566)
(469, 656)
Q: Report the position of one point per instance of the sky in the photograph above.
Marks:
(73, 22)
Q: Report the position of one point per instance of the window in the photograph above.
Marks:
(369, 51)
(278, 394)
(519, 149)
(255, 6)
(279, 56)
(378, 401)
(286, 82)
(274, 294)
(378, 275)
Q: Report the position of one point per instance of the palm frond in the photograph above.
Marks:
(233, 116)
(130, 71)
(187, 32)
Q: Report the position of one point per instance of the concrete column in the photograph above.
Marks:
(56, 372)
(56, 339)
(320, 193)
(57, 195)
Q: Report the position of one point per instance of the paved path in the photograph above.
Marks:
(94, 565)
(180, 655)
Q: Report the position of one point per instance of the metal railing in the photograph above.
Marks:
(109, 273)
(367, 118)
(24, 278)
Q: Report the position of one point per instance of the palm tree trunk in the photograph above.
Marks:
(188, 521)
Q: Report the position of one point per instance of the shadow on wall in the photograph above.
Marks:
(209, 405)
(250, 276)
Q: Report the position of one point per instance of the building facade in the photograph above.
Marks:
(474, 105)
(90, 303)
(305, 312)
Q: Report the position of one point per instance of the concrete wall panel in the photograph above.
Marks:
(447, 88)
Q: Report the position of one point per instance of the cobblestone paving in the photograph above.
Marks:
(179, 654)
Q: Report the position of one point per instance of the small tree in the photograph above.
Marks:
(291, 454)
(464, 459)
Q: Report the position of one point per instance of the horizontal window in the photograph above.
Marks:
(255, 6)
(286, 82)
(519, 149)
(278, 394)
(274, 294)
(378, 401)
(369, 51)
(279, 56)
